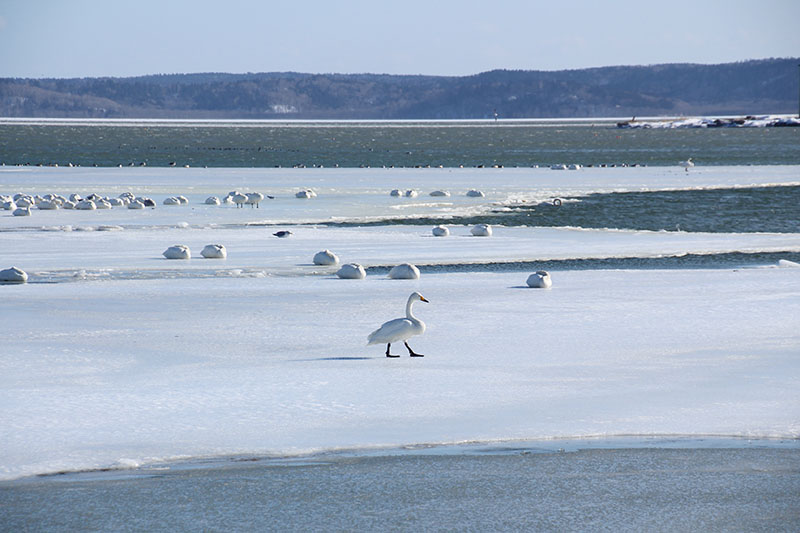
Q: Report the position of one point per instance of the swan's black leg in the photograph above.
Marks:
(411, 352)
(387, 351)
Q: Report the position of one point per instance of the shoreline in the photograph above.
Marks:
(499, 447)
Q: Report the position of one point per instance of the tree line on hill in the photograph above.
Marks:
(764, 86)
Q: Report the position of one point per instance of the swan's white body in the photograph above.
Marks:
(400, 329)
(13, 275)
(687, 164)
(179, 251)
(440, 193)
(404, 271)
(352, 271)
(540, 280)
(214, 251)
(239, 199)
(474, 193)
(326, 257)
(441, 231)
(481, 230)
(254, 198)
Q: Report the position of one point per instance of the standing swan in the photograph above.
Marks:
(400, 329)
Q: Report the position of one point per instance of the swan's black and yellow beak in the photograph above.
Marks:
(421, 297)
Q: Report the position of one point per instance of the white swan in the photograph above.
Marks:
(179, 251)
(214, 251)
(400, 329)
(254, 198)
(687, 164)
(352, 271)
(474, 193)
(325, 257)
(13, 275)
(441, 231)
(404, 271)
(540, 280)
(239, 199)
(481, 230)
(440, 193)
(306, 193)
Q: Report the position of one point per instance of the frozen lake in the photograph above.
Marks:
(114, 357)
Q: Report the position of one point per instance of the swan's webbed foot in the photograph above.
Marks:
(387, 351)
(411, 352)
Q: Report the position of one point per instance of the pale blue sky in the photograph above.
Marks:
(77, 38)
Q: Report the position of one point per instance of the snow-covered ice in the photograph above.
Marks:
(112, 355)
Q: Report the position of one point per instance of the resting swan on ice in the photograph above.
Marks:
(400, 329)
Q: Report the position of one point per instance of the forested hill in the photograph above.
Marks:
(749, 87)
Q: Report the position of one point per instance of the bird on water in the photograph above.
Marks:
(400, 329)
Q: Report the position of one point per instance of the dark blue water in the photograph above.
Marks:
(450, 144)
(729, 210)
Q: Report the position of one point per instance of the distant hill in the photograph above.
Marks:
(748, 87)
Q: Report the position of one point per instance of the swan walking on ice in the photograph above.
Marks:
(687, 164)
(400, 329)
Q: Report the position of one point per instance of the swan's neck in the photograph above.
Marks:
(409, 305)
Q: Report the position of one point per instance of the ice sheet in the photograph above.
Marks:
(127, 372)
(136, 253)
(144, 359)
(343, 194)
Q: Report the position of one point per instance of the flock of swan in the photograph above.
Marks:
(396, 330)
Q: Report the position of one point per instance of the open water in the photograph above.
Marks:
(390, 144)
(710, 488)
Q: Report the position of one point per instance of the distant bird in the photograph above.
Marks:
(687, 164)
(282, 234)
(400, 329)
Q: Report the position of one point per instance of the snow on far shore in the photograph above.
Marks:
(761, 121)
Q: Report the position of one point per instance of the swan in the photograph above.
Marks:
(410, 193)
(474, 193)
(395, 192)
(441, 231)
(440, 193)
(404, 271)
(352, 271)
(325, 257)
(214, 251)
(687, 164)
(254, 198)
(540, 280)
(13, 275)
(400, 329)
(239, 199)
(22, 212)
(481, 230)
(179, 251)
(306, 193)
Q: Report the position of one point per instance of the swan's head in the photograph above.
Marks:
(417, 296)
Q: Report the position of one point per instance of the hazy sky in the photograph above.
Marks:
(77, 38)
